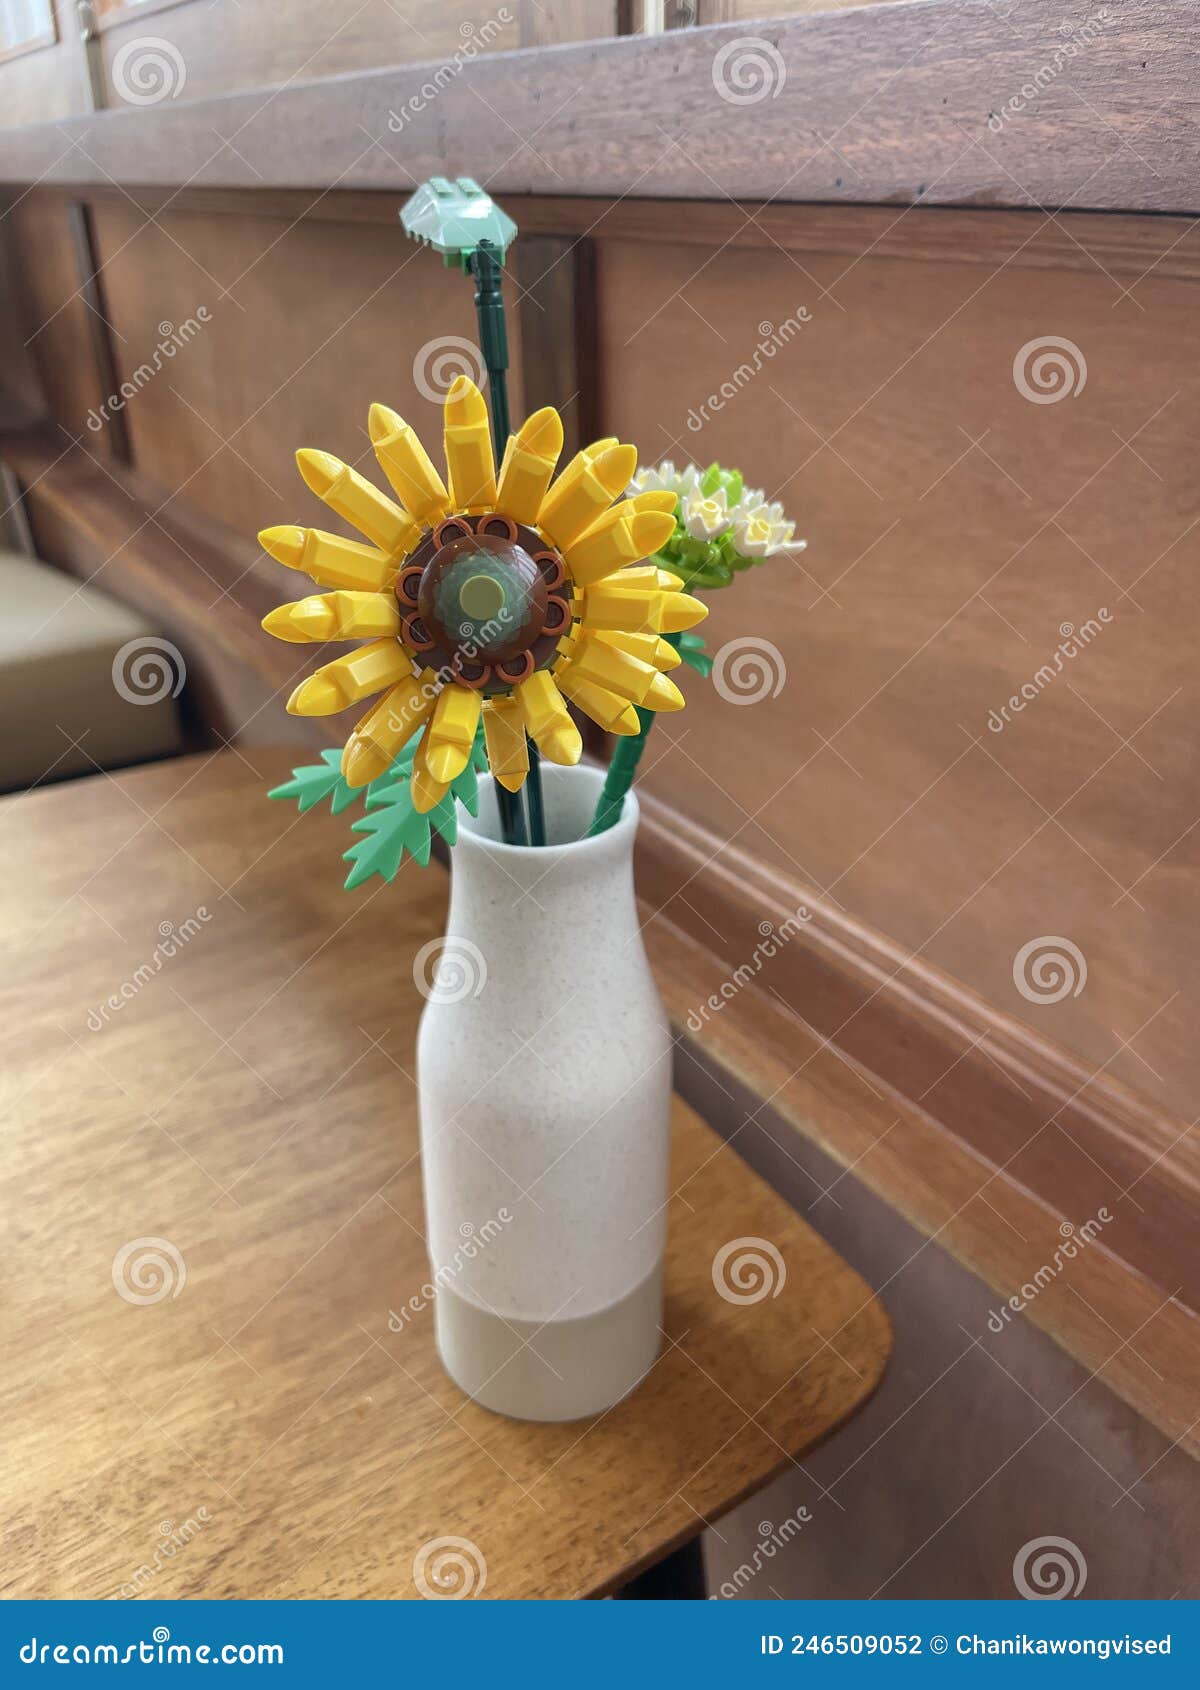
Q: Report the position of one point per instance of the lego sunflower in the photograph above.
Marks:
(494, 600)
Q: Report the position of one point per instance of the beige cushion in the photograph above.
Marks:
(84, 681)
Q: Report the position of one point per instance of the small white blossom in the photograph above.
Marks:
(665, 478)
(761, 530)
(706, 518)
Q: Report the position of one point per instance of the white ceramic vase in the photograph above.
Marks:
(544, 1066)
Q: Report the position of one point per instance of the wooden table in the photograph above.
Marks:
(257, 1430)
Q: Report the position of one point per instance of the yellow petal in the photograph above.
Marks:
(612, 713)
(529, 462)
(618, 671)
(572, 505)
(646, 646)
(504, 735)
(451, 734)
(663, 695)
(657, 499)
(681, 611)
(352, 496)
(331, 560)
(335, 616)
(347, 679)
(407, 465)
(549, 720)
(424, 790)
(469, 460)
(620, 537)
(387, 727)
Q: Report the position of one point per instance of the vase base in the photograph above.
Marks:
(560, 1370)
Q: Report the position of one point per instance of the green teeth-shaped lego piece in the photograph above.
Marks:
(453, 217)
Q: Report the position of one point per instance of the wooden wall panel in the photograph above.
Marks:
(56, 322)
(308, 324)
(954, 529)
(250, 43)
(47, 83)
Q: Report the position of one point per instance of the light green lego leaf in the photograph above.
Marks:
(392, 828)
(311, 784)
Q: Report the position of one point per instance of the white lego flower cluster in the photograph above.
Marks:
(759, 529)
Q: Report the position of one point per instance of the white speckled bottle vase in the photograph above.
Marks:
(544, 1064)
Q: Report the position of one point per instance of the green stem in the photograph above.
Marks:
(622, 770)
(512, 823)
(533, 796)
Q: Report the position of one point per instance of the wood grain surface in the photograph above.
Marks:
(899, 103)
(250, 1101)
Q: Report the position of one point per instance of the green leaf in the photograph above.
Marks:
(392, 827)
(691, 648)
(314, 782)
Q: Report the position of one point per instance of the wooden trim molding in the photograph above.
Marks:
(995, 1143)
(944, 102)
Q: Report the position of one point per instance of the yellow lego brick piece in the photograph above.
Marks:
(648, 647)
(549, 720)
(335, 616)
(353, 497)
(350, 678)
(528, 466)
(331, 560)
(568, 512)
(620, 537)
(504, 736)
(424, 790)
(609, 667)
(387, 727)
(451, 733)
(407, 465)
(469, 461)
(613, 714)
